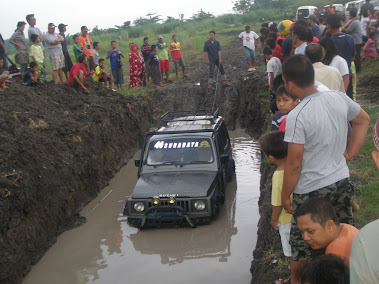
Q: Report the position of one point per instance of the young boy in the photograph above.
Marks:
(100, 75)
(114, 56)
(78, 50)
(274, 66)
(96, 56)
(275, 149)
(153, 61)
(3, 75)
(36, 54)
(32, 75)
(285, 103)
(176, 56)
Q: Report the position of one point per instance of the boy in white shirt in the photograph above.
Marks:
(274, 66)
(249, 39)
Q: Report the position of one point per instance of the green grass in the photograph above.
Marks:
(363, 168)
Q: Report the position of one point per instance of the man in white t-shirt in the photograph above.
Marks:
(274, 66)
(249, 39)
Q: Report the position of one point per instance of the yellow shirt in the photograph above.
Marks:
(96, 75)
(36, 52)
(276, 196)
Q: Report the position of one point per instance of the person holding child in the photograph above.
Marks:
(19, 41)
(275, 149)
(137, 68)
(36, 54)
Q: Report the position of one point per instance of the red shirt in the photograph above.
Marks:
(175, 49)
(315, 40)
(74, 71)
(282, 126)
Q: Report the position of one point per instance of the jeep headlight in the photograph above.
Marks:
(199, 205)
(139, 207)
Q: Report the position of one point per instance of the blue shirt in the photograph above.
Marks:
(212, 49)
(277, 120)
(316, 30)
(345, 45)
(114, 58)
(154, 59)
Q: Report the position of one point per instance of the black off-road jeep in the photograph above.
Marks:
(183, 171)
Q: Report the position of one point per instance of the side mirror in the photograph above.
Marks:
(224, 159)
(137, 162)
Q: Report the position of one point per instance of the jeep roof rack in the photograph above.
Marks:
(175, 116)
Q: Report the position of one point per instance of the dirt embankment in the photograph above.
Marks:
(58, 148)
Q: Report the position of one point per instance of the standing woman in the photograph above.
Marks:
(137, 68)
(19, 41)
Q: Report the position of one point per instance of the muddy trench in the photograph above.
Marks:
(60, 148)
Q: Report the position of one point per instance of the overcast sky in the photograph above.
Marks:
(105, 14)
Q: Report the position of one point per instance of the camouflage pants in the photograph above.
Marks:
(340, 195)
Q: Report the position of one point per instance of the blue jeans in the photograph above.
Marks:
(249, 54)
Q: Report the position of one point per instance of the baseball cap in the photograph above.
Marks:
(376, 134)
(61, 26)
(51, 25)
(160, 36)
(84, 28)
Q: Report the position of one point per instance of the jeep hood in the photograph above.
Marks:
(190, 184)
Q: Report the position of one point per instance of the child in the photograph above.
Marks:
(275, 149)
(100, 75)
(285, 103)
(114, 56)
(153, 61)
(96, 56)
(274, 66)
(177, 56)
(78, 50)
(3, 76)
(36, 54)
(369, 50)
(32, 75)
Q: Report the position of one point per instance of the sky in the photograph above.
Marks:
(104, 14)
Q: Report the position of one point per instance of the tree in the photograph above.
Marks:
(153, 18)
(170, 19)
(96, 31)
(124, 26)
(201, 15)
(242, 6)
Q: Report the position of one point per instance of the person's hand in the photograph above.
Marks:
(5, 52)
(208, 62)
(219, 62)
(347, 156)
(18, 46)
(91, 72)
(274, 224)
(287, 204)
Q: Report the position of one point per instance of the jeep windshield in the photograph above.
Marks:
(180, 151)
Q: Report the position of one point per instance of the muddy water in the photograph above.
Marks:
(107, 250)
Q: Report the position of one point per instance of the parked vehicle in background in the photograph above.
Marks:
(303, 12)
(339, 9)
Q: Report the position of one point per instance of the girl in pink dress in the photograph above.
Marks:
(369, 50)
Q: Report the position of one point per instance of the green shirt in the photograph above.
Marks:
(77, 50)
(36, 52)
(162, 52)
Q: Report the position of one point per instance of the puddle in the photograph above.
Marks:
(107, 250)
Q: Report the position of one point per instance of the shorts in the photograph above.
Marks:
(284, 231)
(249, 54)
(340, 195)
(118, 75)
(165, 65)
(57, 61)
(156, 76)
(102, 80)
(178, 61)
(23, 67)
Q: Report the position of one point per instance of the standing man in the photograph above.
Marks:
(54, 51)
(355, 30)
(86, 43)
(314, 27)
(249, 39)
(365, 8)
(67, 59)
(345, 45)
(163, 56)
(212, 50)
(317, 157)
(146, 50)
(36, 31)
(299, 39)
(3, 54)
